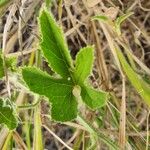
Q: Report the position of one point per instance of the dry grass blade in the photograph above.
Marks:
(92, 3)
(8, 26)
(122, 133)
(58, 138)
(3, 134)
(19, 140)
(102, 68)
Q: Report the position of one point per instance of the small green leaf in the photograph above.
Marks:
(1, 67)
(139, 84)
(58, 91)
(119, 20)
(93, 98)
(102, 18)
(54, 46)
(83, 64)
(11, 63)
(7, 114)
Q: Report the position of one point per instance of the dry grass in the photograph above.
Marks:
(125, 119)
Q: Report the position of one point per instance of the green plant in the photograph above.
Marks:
(138, 83)
(8, 115)
(9, 63)
(65, 91)
(126, 65)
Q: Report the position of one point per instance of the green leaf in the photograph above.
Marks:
(58, 91)
(93, 98)
(119, 20)
(64, 108)
(83, 64)
(102, 18)
(11, 63)
(62, 92)
(54, 46)
(1, 67)
(7, 114)
(42, 83)
(139, 84)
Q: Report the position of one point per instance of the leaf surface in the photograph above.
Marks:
(7, 115)
(83, 64)
(42, 83)
(54, 46)
(61, 92)
(93, 98)
(58, 91)
(64, 108)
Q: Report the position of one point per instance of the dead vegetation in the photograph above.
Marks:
(19, 37)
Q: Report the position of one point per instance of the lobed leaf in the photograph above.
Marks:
(58, 91)
(7, 115)
(83, 64)
(54, 46)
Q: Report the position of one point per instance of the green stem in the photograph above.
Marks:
(27, 129)
(38, 143)
(31, 106)
(5, 146)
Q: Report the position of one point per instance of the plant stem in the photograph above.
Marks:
(38, 143)
(27, 129)
(31, 106)
(9, 136)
